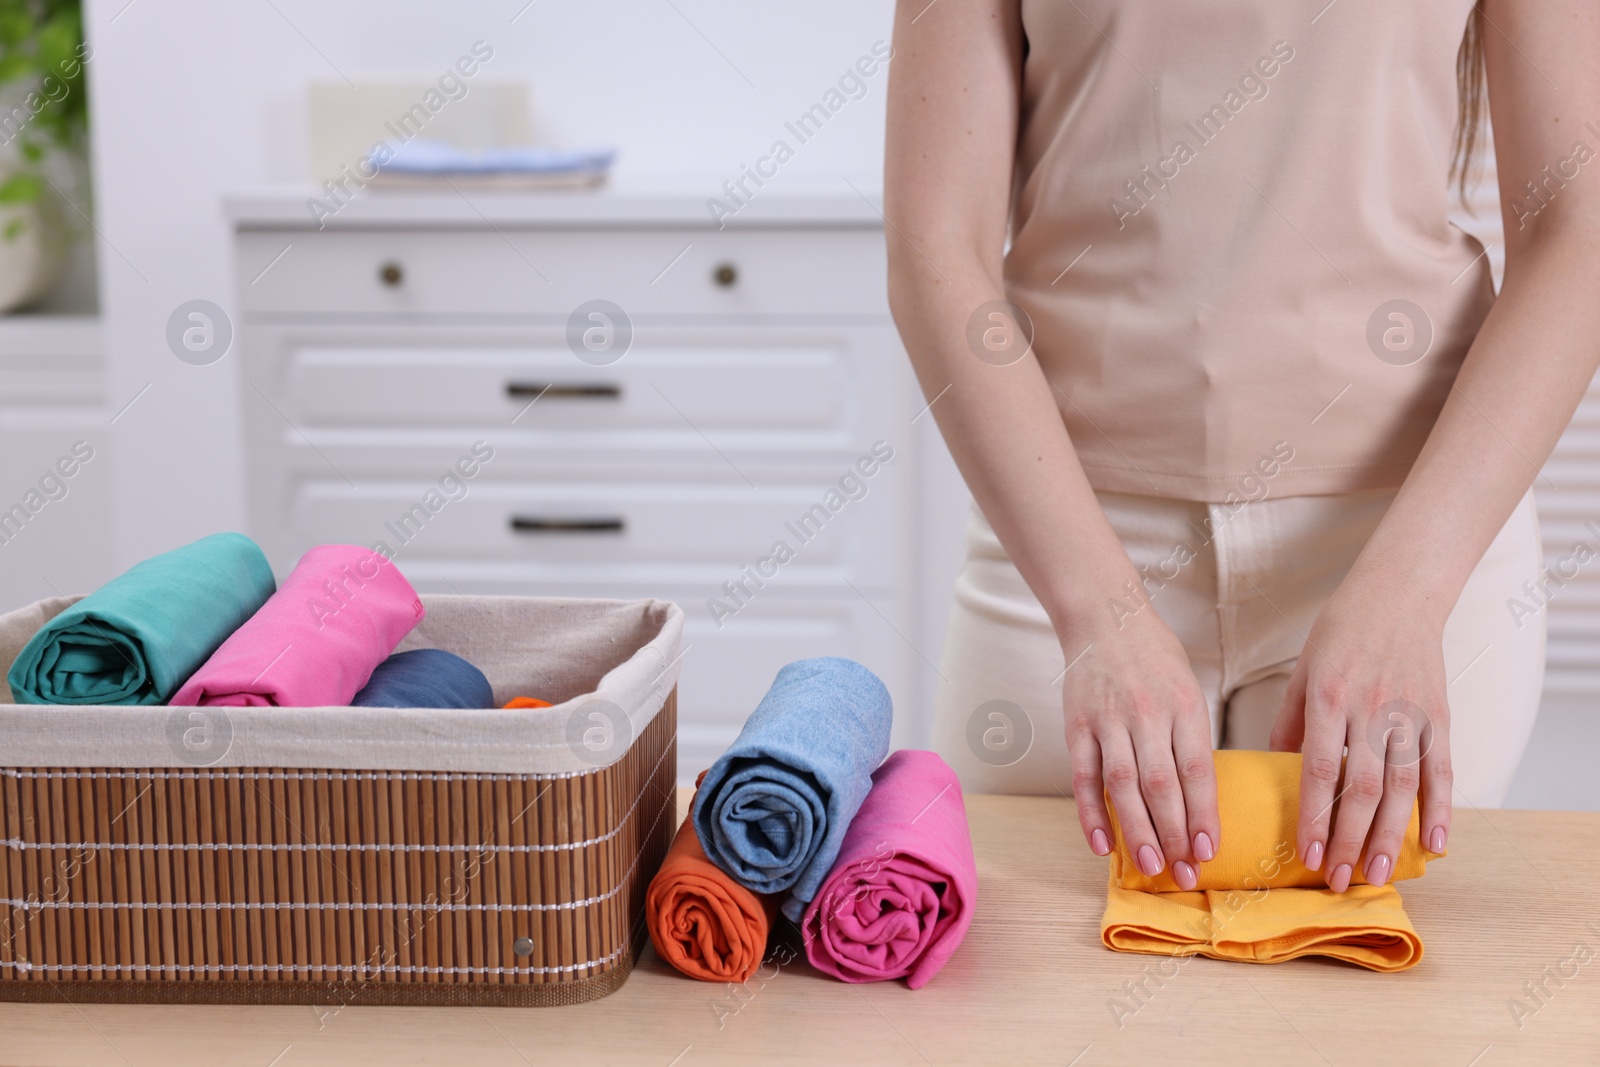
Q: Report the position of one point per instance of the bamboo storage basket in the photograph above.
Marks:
(354, 855)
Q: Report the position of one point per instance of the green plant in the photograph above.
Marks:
(43, 102)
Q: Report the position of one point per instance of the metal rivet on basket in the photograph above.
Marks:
(523, 946)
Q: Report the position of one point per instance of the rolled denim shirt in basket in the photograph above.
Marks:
(425, 678)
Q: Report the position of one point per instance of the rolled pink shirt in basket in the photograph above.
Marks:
(900, 897)
(316, 641)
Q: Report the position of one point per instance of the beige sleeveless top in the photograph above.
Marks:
(1229, 232)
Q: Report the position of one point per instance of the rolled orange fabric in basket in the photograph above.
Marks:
(701, 921)
(526, 702)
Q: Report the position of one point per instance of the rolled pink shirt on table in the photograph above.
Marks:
(900, 897)
(316, 641)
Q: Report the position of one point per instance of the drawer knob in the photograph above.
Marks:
(726, 275)
(391, 274)
(534, 524)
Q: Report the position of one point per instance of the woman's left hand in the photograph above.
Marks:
(1371, 680)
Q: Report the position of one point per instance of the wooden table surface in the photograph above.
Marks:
(1515, 903)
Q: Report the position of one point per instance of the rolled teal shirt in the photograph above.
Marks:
(140, 636)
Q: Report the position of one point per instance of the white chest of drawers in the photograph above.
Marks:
(763, 401)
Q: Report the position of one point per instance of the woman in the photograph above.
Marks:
(1262, 476)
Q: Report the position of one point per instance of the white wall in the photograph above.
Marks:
(192, 100)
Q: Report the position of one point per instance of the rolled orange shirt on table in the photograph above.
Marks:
(701, 921)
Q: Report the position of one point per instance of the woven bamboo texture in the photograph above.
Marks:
(273, 885)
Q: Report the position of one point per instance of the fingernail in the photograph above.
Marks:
(1099, 842)
(1378, 869)
(1314, 856)
(1339, 880)
(1149, 862)
(1436, 841)
(1184, 874)
(1204, 850)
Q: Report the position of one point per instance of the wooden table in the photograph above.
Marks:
(1515, 903)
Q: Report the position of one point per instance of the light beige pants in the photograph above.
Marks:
(1260, 573)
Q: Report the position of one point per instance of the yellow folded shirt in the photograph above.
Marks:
(1256, 902)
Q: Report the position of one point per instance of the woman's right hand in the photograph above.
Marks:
(1138, 729)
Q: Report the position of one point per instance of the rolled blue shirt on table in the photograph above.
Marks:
(773, 810)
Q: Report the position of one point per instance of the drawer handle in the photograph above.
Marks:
(536, 524)
(391, 274)
(601, 390)
(726, 275)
